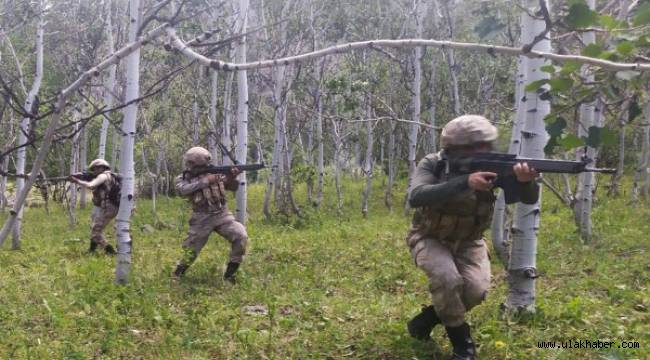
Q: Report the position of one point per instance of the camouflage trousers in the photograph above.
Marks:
(202, 224)
(459, 275)
(101, 217)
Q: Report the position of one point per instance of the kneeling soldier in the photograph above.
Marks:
(207, 193)
(446, 236)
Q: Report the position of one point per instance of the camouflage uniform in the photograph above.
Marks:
(446, 237)
(103, 209)
(210, 214)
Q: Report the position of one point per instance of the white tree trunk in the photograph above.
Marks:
(74, 166)
(320, 156)
(4, 166)
(127, 200)
(242, 113)
(369, 164)
(645, 178)
(500, 229)
(388, 198)
(227, 100)
(415, 104)
(522, 267)
(276, 163)
(109, 84)
(433, 135)
(585, 181)
(212, 136)
(83, 162)
(25, 124)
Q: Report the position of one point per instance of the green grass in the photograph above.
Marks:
(333, 288)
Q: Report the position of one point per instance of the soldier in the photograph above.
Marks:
(445, 239)
(105, 187)
(207, 193)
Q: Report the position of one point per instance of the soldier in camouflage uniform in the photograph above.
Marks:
(104, 209)
(207, 193)
(446, 236)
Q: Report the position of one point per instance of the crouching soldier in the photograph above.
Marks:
(207, 193)
(105, 186)
(446, 237)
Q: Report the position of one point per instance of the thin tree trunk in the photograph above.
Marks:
(388, 198)
(433, 135)
(320, 156)
(83, 162)
(212, 136)
(278, 143)
(415, 106)
(585, 182)
(127, 200)
(109, 86)
(645, 178)
(500, 228)
(74, 159)
(368, 166)
(225, 131)
(242, 113)
(21, 154)
(522, 267)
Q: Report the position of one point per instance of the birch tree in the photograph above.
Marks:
(522, 267)
(127, 199)
(109, 84)
(31, 106)
(242, 112)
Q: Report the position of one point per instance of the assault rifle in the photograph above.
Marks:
(83, 176)
(502, 165)
(224, 169)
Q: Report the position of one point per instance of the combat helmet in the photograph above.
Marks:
(467, 130)
(196, 156)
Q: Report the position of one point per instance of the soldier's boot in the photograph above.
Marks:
(93, 246)
(462, 342)
(180, 270)
(110, 250)
(231, 269)
(421, 325)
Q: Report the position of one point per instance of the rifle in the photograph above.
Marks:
(502, 165)
(84, 176)
(225, 169)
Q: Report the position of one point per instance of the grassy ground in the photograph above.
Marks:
(324, 287)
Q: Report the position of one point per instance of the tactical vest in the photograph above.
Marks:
(212, 197)
(463, 217)
(100, 193)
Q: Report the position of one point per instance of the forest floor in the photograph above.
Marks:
(326, 287)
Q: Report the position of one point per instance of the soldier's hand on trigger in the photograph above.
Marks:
(481, 181)
(234, 172)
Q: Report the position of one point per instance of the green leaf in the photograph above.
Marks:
(569, 67)
(608, 55)
(600, 136)
(627, 74)
(580, 16)
(608, 22)
(571, 141)
(633, 111)
(548, 69)
(555, 128)
(536, 85)
(592, 50)
(561, 84)
(625, 47)
(642, 15)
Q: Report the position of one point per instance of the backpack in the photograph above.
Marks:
(115, 192)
